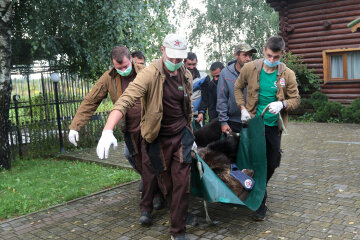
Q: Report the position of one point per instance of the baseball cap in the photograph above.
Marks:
(244, 47)
(246, 181)
(175, 46)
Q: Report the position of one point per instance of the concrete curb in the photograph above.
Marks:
(68, 202)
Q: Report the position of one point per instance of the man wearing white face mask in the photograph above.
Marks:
(165, 89)
(268, 81)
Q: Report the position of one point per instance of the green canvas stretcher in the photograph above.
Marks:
(251, 154)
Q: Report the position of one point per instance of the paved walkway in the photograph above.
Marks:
(315, 194)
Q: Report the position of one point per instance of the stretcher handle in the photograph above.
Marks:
(201, 173)
(281, 120)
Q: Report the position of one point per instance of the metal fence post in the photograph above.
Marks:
(55, 77)
(16, 99)
(29, 92)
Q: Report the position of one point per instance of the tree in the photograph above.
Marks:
(80, 34)
(5, 82)
(225, 23)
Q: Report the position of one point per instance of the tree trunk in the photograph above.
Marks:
(5, 81)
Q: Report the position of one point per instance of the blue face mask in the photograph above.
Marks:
(271, 64)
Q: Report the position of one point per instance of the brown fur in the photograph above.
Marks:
(220, 162)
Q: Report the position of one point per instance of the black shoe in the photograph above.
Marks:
(145, 219)
(260, 213)
(159, 202)
(140, 186)
(178, 237)
(191, 219)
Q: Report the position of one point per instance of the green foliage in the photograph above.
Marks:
(306, 78)
(39, 108)
(329, 112)
(306, 103)
(318, 100)
(304, 107)
(81, 34)
(352, 113)
(36, 184)
(307, 117)
(105, 105)
(225, 23)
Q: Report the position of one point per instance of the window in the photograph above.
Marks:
(341, 64)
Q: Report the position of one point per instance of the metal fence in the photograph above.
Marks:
(35, 125)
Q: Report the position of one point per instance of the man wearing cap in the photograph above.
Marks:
(114, 82)
(269, 83)
(165, 89)
(229, 113)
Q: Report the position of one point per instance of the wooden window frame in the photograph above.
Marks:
(327, 63)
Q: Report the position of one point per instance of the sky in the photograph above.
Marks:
(184, 30)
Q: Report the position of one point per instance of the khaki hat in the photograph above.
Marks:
(175, 46)
(244, 47)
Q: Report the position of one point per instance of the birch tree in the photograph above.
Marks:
(5, 81)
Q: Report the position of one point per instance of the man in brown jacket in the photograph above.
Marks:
(165, 89)
(268, 82)
(114, 82)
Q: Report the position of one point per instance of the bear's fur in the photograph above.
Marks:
(209, 133)
(219, 154)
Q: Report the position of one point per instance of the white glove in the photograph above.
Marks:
(105, 142)
(73, 137)
(275, 107)
(245, 116)
(194, 147)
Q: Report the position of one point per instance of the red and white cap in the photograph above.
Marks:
(175, 46)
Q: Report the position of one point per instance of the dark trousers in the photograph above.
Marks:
(142, 165)
(150, 184)
(273, 153)
(235, 126)
(171, 159)
(133, 141)
(174, 182)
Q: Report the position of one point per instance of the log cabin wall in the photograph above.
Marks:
(310, 27)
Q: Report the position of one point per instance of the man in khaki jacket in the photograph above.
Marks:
(114, 82)
(111, 82)
(165, 89)
(268, 81)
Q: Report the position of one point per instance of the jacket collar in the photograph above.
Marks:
(231, 69)
(260, 62)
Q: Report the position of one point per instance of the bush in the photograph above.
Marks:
(318, 100)
(352, 113)
(329, 112)
(306, 78)
(305, 104)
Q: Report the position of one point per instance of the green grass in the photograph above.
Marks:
(36, 184)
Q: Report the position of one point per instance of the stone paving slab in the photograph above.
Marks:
(314, 194)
